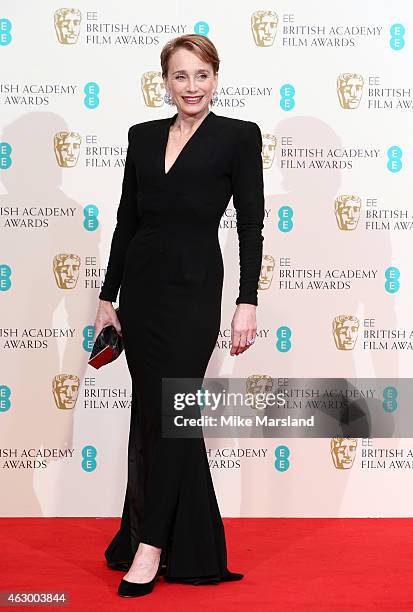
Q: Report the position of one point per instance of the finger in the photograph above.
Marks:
(234, 344)
(244, 348)
(96, 332)
(243, 343)
(251, 339)
(239, 348)
(117, 324)
(235, 338)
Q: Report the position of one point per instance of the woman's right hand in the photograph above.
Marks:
(106, 315)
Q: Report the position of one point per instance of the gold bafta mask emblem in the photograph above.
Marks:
(347, 210)
(343, 452)
(65, 389)
(258, 384)
(349, 89)
(345, 330)
(67, 25)
(269, 142)
(266, 274)
(67, 148)
(153, 89)
(66, 270)
(264, 27)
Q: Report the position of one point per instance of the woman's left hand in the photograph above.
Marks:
(243, 328)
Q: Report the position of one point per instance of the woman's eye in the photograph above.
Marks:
(179, 77)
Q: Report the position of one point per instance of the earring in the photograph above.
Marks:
(214, 98)
(168, 98)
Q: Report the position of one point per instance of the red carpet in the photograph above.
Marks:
(289, 565)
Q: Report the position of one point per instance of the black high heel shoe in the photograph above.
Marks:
(136, 589)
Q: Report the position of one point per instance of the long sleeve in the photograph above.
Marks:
(126, 226)
(248, 199)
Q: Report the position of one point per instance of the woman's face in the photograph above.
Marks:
(190, 81)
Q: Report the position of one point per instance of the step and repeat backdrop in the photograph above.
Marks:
(331, 87)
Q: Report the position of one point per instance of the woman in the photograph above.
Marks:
(180, 174)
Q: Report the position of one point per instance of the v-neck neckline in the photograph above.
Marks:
(170, 122)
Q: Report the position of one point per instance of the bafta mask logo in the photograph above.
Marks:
(347, 210)
(258, 384)
(153, 88)
(266, 274)
(67, 148)
(345, 331)
(65, 389)
(66, 270)
(349, 89)
(67, 25)
(343, 452)
(269, 142)
(264, 27)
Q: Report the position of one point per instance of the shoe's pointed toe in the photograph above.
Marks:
(135, 589)
(231, 576)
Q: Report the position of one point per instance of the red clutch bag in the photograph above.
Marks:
(107, 346)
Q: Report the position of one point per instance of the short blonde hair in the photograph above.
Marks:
(200, 45)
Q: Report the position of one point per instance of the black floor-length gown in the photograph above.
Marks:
(166, 259)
